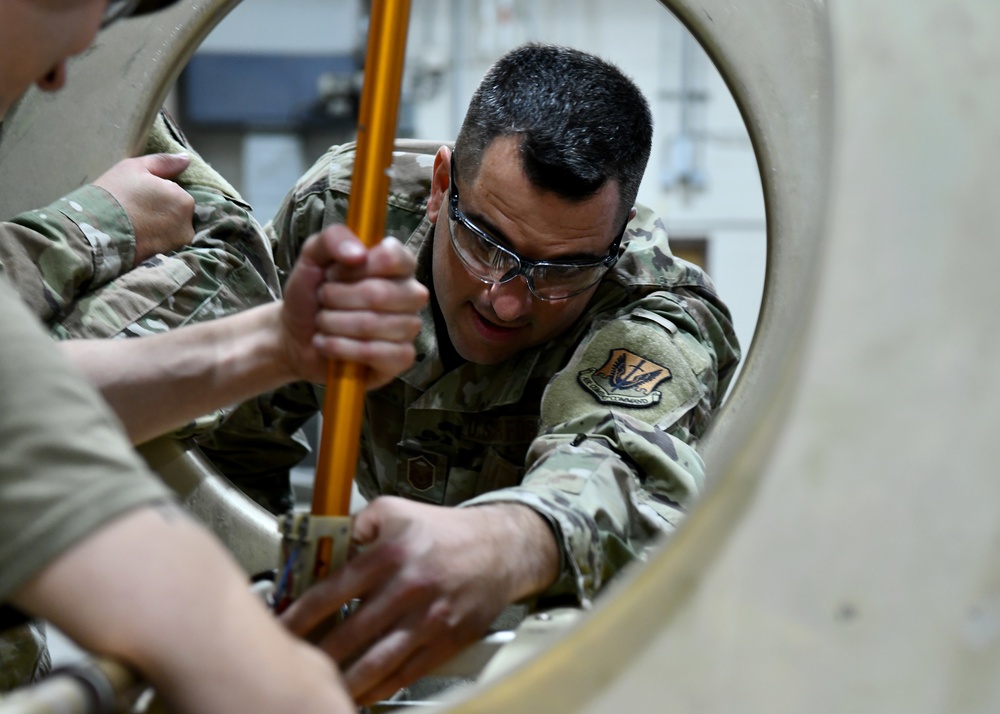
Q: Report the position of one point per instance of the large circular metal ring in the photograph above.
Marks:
(775, 58)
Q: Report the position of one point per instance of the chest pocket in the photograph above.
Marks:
(488, 456)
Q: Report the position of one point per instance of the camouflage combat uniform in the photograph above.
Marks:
(72, 263)
(595, 429)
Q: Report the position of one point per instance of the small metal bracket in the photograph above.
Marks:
(304, 558)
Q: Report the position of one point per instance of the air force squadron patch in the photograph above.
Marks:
(625, 379)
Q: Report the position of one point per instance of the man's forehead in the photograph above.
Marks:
(503, 151)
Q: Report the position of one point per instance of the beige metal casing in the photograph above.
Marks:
(863, 575)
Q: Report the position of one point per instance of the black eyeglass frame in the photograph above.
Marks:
(524, 266)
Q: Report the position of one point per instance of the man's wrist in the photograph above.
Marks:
(530, 547)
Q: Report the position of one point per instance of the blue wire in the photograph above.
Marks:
(279, 593)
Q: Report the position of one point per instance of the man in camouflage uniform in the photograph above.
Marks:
(558, 402)
(569, 423)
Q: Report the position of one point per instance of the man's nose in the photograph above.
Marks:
(511, 300)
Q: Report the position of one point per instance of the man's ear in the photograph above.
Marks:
(440, 183)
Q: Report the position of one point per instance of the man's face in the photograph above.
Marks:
(488, 323)
(36, 38)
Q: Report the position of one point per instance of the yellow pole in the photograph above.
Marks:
(345, 392)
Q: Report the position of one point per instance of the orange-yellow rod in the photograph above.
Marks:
(345, 389)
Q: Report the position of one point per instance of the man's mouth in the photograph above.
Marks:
(489, 329)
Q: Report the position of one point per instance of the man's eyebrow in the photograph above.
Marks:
(484, 224)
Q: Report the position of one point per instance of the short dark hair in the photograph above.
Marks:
(581, 121)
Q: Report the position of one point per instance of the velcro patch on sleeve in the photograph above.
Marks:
(631, 365)
(626, 379)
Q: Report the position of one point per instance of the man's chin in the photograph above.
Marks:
(479, 352)
(481, 356)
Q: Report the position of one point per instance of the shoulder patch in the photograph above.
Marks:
(628, 365)
(625, 379)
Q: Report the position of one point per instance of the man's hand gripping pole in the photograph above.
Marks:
(321, 539)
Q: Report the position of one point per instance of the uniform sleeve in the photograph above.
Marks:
(258, 444)
(226, 268)
(66, 467)
(615, 468)
(52, 255)
(72, 262)
(318, 199)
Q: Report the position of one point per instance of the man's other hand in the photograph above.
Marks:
(161, 211)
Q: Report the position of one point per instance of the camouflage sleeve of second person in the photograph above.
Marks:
(614, 467)
(72, 261)
(52, 254)
(227, 267)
